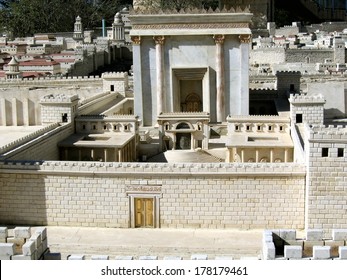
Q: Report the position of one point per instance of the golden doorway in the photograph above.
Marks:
(144, 212)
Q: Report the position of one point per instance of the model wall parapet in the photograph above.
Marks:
(114, 75)
(27, 138)
(257, 118)
(306, 99)
(326, 133)
(69, 78)
(59, 98)
(170, 169)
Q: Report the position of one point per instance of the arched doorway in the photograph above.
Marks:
(183, 140)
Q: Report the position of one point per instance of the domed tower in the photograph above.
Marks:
(78, 30)
(13, 69)
(118, 29)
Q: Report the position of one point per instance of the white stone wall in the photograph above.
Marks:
(272, 55)
(190, 195)
(311, 108)
(326, 181)
(43, 147)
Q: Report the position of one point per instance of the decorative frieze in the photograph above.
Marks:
(190, 26)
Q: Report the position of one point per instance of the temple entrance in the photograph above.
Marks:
(144, 212)
(183, 141)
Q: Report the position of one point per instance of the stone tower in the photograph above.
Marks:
(13, 69)
(339, 50)
(118, 35)
(78, 30)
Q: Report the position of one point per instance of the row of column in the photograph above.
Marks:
(272, 159)
(125, 154)
(15, 113)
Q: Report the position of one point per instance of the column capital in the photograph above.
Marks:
(159, 40)
(136, 40)
(218, 38)
(245, 38)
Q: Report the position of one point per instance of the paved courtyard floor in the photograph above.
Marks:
(154, 242)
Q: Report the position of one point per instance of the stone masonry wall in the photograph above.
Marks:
(43, 147)
(309, 56)
(216, 195)
(326, 181)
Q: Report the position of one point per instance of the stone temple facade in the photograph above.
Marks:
(174, 144)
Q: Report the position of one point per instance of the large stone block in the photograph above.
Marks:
(22, 232)
(198, 257)
(18, 242)
(7, 249)
(314, 234)
(124, 258)
(148, 258)
(42, 231)
(339, 234)
(76, 257)
(36, 237)
(100, 257)
(3, 233)
(343, 252)
(29, 248)
(269, 251)
(288, 234)
(292, 252)
(308, 247)
(321, 252)
(23, 257)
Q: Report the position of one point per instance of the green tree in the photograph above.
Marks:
(27, 17)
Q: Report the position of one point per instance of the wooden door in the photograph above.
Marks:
(144, 212)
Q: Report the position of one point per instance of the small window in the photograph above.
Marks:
(270, 128)
(259, 127)
(94, 127)
(325, 152)
(291, 87)
(340, 152)
(112, 88)
(237, 127)
(84, 127)
(298, 118)
(281, 128)
(105, 127)
(167, 127)
(248, 127)
(126, 127)
(115, 127)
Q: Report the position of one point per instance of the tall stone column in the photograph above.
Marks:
(245, 40)
(159, 42)
(220, 98)
(137, 70)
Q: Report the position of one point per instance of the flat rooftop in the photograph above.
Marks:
(9, 134)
